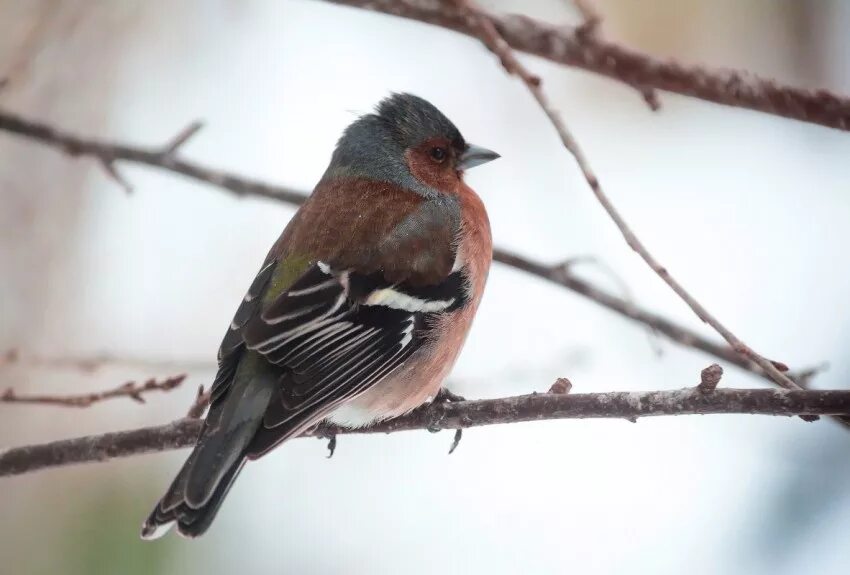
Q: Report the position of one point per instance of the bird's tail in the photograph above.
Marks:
(200, 487)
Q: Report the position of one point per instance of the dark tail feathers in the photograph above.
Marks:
(197, 492)
(173, 507)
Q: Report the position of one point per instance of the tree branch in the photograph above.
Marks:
(590, 30)
(93, 363)
(568, 45)
(486, 31)
(453, 415)
(164, 159)
(131, 389)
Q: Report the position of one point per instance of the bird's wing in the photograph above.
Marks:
(342, 326)
(338, 333)
(233, 344)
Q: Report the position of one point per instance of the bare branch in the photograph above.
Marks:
(244, 187)
(453, 415)
(181, 433)
(90, 364)
(565, 45)
(131, 389)
(491, 38)
(156, 157)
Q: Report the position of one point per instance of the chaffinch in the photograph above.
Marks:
(360, 309)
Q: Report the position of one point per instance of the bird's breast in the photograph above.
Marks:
(421, 376)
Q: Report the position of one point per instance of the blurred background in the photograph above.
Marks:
(749, 211)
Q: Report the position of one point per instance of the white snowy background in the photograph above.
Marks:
(749, 211)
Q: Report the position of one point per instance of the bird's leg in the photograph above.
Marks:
(323, 430)
(446, 396)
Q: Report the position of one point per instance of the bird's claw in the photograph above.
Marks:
(456, 440)
(331, 445)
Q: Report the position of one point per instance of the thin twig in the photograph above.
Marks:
(15, 358)
(243, 187)
(156, 157)
(111, 171)
(454, 415)
(649, 96)
(591, 19)
(590, 31)
(131, 389)
(182, 137)
(199, 406)
(564, 45)
(491, 38)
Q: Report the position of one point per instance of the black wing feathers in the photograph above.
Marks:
(233, 344)
(332, 345)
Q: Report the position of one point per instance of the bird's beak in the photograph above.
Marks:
(475, 156)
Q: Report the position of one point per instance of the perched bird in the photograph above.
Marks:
(360, 308)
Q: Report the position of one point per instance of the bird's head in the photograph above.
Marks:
(409, 142)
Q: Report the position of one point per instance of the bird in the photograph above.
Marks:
(358, 312)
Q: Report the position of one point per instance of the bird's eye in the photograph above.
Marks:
(438, 153)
